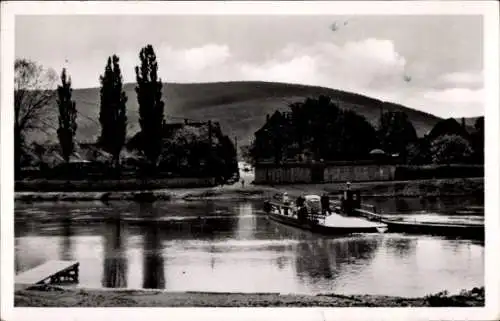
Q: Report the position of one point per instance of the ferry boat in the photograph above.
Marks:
(310, 217)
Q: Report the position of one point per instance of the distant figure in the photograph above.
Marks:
(286, 202)
(242, 183)
(325, 204)
(302, 214)
(300, 201)
(347, 189)
(348, 199)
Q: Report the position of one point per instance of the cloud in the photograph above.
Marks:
(355, 66)
(463, 78)
(196, 59)
(372, 67)
(301, 69)
(195, 64)
(456, 95)
(451, 102)
(374, 50)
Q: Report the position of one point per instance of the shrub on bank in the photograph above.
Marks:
(463, 299)
(405, 172)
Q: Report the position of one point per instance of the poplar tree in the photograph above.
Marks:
(113, 112)
(67, 117)
(151, 107)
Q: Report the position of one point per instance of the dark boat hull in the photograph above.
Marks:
(320, 229)
(451, 230)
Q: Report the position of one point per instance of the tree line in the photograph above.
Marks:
(317, 129)
(33, 94)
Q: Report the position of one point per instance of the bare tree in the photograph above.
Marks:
(33, 91)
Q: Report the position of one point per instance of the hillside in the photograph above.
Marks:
(469, 122)
(240, 107)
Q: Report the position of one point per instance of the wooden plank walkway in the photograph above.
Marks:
(369, 215)
(49, 271)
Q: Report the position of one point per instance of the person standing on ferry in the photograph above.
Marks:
(286, 202)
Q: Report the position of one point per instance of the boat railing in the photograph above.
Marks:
(280, 205)
(366, 210)
(316, 216)
(367, 207)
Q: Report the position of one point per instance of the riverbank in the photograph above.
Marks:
(411, 188)
(49, 296)
(108, 185)
(225, 192)
(417, 188)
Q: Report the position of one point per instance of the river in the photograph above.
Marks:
(233, 247)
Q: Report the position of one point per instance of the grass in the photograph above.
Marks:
(49, 296)
(240, 107)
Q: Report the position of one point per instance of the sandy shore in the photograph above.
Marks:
(448, 187)
(48, 296)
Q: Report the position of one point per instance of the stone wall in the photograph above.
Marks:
(188, 182)
(280, 175)
(342, 172)
(359, 173)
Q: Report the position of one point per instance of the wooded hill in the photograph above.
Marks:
(239, 107)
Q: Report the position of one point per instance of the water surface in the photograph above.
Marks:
(231, 246)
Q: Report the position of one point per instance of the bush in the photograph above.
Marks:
(418, 153)
(449, 149)
(465, 298)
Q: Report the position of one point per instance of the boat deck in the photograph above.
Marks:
(336, 220)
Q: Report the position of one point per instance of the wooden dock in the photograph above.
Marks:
(470, 210)
(53, 272)
(369, 215)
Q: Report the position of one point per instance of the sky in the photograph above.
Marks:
(432, 63)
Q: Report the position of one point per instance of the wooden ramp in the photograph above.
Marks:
(49, 272)
(369, 215)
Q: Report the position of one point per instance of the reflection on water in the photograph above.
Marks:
(115, 259)
(318, 268)
(246, 222)
(66, 249)
(321, 264)
(229, 246)
(153, 267)
(401, 247)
